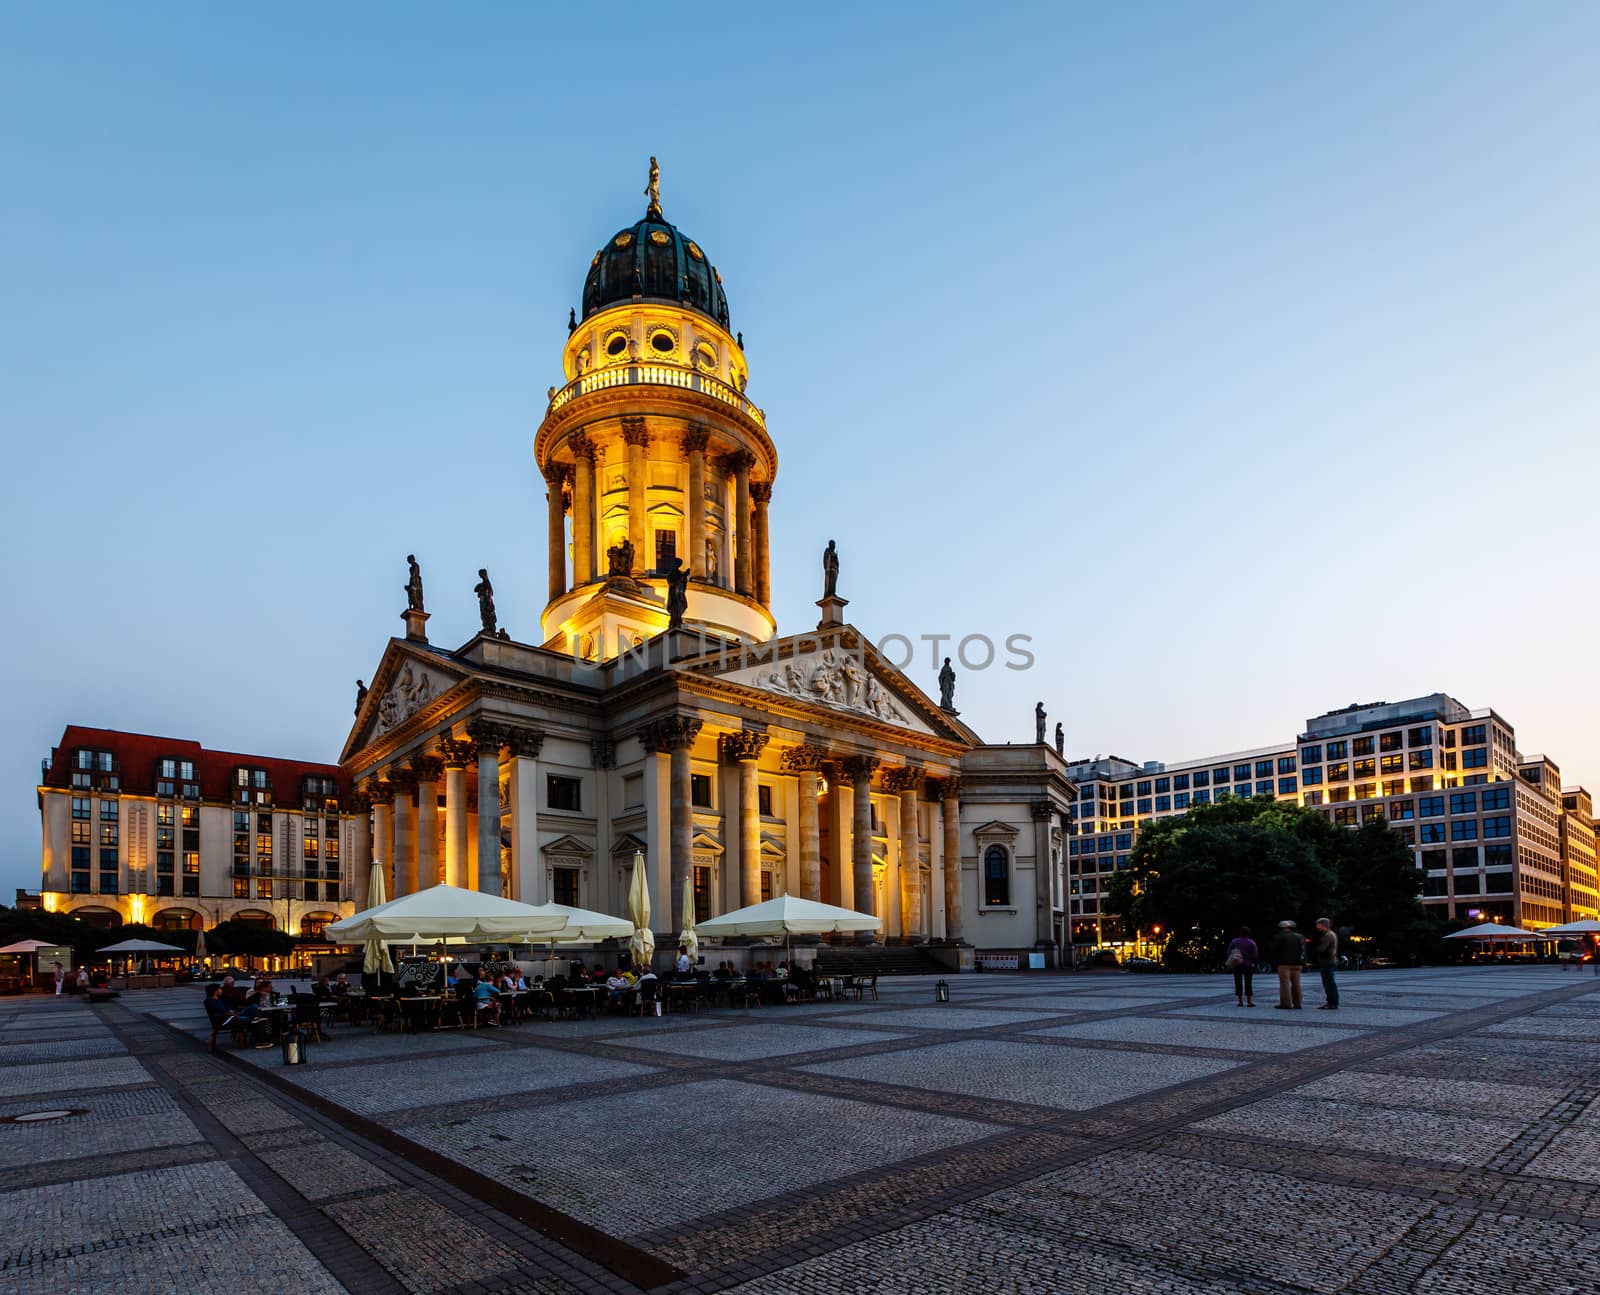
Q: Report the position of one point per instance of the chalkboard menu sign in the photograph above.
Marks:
(419, 976)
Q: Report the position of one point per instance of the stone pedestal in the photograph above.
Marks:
(416, 625)
(832, 611)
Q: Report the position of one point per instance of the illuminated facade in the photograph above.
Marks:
(163, 831)
(742, 763)
(1492, 832)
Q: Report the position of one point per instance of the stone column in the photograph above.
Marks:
(582, 510)
(487, 736)
(382, 795)
(694, 449)
(524, 746)
(556, 512)
(404, 784)
(952, 859)
(743, 564)
(637, 439)
(427, 768)
(908, 784)
(746, 747)
(805, 762)
(859, 769)
(358, 866)
(1044, 916)
(676, 736)
(457, 756)
(761, 492)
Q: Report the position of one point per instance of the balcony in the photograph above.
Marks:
(660, 375)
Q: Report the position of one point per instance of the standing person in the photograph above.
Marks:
(1289, 952)
(61, 978)
(1325, 957)
(682, 966)
(1241, 960)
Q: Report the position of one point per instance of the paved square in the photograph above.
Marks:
(1163, 1142)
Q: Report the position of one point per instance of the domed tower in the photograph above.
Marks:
(652, 449)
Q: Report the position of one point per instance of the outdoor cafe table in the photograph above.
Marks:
(583, 999)
(278, 1016)
(421, 1011)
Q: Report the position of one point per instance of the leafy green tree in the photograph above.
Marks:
(1203, 875)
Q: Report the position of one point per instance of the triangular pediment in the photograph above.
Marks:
(568, 845)
(994, 827)
(628, 844)
(772, 848)
(834, 671)
(705, 843)
(408, 681)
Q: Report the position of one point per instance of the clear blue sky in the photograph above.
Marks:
(1243, 355)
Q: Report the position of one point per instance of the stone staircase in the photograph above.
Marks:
(882, 959)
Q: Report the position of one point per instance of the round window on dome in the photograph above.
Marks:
(663, 342)
(705, 356)
(659, 237)
(617, 345)
(623, 239)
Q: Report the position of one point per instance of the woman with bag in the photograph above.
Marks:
(1241, 960)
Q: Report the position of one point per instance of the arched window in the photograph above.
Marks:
(996, 877)
(175, 919)
(314, 926)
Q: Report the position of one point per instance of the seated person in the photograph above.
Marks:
(487, 1003)
(555, 984)
(232, 994)
(323, 988)
(341, 986)
(221, 1015)
(618, 987)
(724, 971)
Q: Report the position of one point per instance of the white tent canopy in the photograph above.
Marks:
(1495, 931)
(445, 912)
(141, 946)
(585, 926)
(27, 946)
(787, 915)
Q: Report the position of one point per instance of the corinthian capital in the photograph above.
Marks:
(761, 491)
(427, 768)
(696, 439)
(583, 449)
(747, 744)
(903, 779)
(675, 733)
(804, 759)
(859, 768)
(633, 431)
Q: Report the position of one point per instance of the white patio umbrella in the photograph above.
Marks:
(1588, 926)
(584, 926)
(689, 938)
(449, 913)
(29, 947)
(642, 946)
(141, 946)
(200, 946)
(375, 957)
(789, 915)
(1494, 931)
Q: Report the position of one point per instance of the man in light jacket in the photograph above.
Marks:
(1289, 952)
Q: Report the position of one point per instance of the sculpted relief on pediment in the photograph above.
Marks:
(413, 688)
(835, 679)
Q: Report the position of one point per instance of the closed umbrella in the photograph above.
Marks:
(375, 953)
(200, 946)
(642, 946)
(688, 939)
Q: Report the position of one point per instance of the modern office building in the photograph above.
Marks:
(163, 831)
(1494, 834)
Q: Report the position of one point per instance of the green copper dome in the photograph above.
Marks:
(656, 261)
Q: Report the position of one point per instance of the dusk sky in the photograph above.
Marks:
(1244, 356)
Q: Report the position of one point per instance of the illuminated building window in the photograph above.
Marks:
(1390, 741)
(996, 877)
(1361, 746)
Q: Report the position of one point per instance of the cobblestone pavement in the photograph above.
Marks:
(1040, 1133)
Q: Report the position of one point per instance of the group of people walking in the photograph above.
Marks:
(1291, 953)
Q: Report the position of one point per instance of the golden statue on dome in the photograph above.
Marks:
(653, 192)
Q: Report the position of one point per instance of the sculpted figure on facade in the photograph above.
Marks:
(1038, 722)
(947, 686)
(677, 591)
(409, 693)
(619, 559)
(830, 571)
(361, 694)
(485, 592)
(1061, 739)
(413, 584)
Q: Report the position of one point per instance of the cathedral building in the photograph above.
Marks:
(661, 710)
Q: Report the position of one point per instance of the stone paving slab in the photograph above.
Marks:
(709, 1146)
(1067, 1078)
(1094, 1002)
(943, 1018)
(73, 1049)
(751, 1042)
(1422, 1134)
(462, 1079)
(1349, 1013)
(425, 1246)
(1254, 1035)
(60, 1081)
(1447, 1096)
(115, 1120)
